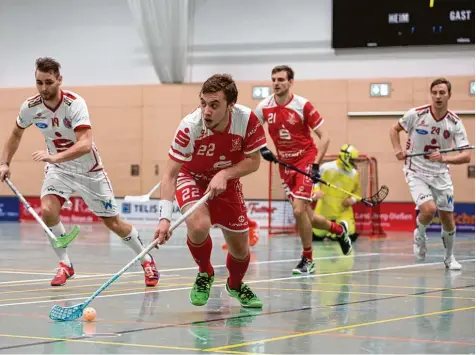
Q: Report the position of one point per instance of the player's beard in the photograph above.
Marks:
(282, 93)
(49, 96)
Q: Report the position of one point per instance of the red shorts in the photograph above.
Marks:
(295, 184)
(227, 210)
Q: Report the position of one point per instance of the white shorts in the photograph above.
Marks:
(94, 188)
(438, 188)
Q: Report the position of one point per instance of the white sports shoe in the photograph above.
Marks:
(452, 264)
(419, 245)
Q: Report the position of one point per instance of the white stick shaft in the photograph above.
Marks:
(141, 198)
(148, 249)
(31, 210)
(177, 222)
(42, 224)
(154, 188)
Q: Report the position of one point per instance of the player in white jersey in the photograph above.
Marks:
(431, 128)
(72, 164)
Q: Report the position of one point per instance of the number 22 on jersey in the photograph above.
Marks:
(206, 149)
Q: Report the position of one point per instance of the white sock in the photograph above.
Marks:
(59, 231)
(421, 227)
(448, 239)
(133, 242)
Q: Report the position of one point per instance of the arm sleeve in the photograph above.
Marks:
(312, 116)
(24, 118)
(255, 138)
(357, 187)
(460, 136)
(80, 115)
(259, 113)
(182, 146)
(407, 121)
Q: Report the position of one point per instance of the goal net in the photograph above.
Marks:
(367, 220)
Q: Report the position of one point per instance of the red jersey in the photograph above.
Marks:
(290, 126)
(205, 152)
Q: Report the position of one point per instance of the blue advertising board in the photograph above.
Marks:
(9, 209)
(464, 218)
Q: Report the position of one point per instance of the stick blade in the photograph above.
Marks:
(63, 314)
(377, 198)
(64, 241)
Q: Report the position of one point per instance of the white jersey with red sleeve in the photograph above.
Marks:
(426, 133)
(205, 152)
(58, 126)
(290, 126)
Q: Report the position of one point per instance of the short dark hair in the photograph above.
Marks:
(441, 81)
(285, 68)
(224, 83)
(48, 65)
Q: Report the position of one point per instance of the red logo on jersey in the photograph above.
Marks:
(446, 134)
(62, 144)
(182, 138)
(429, 148)
(67, 123)
(55, 122)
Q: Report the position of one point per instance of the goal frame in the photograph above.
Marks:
(370, 225)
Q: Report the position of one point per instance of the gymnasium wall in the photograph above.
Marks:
(135, 125)
(97, 43)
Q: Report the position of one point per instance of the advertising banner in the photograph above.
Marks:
(144, 212)
(394, 216)
(9, 209)
(464, 218)
(78, 212)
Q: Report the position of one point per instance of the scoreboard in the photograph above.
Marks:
(386, 23)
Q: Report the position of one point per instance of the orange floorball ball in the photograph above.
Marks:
(89, 314)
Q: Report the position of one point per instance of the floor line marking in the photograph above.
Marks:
(254, 329)
(248, 282)
(95, 342)
(27, 271)
(190, 268)
(328, 330)
(375, 285)
(53, 291)
(365, 293)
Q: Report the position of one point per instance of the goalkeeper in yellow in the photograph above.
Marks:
(336, 205)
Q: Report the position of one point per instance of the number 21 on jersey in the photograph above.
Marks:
(271, 117)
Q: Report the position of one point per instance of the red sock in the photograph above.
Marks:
(336, 228)
(237, 270)
(201, 254)
(307, 253)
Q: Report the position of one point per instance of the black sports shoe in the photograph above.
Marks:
(344, 240)
(305, 266)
